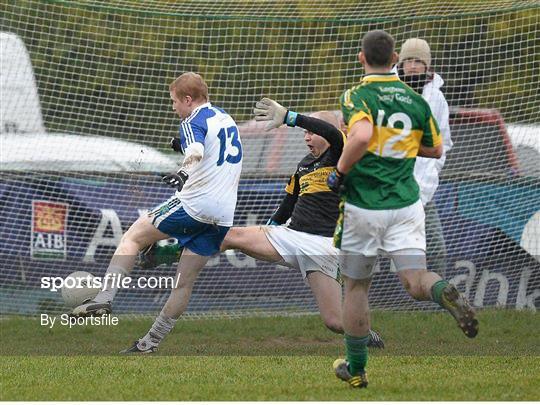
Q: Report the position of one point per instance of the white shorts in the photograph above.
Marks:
(304, 251)
(399, 233)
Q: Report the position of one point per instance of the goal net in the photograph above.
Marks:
(86, 119)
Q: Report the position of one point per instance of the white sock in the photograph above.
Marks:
(162, 327)
(110, 287)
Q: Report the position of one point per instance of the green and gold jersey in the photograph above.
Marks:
(402, 119)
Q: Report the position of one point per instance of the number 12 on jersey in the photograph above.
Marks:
(390, 141)
(228, 139)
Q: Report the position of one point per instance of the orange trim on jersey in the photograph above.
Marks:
(380, 78)
(289, 188)
(359, 116)
(436, 136)
(344, 137)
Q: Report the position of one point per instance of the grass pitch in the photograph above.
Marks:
(426, 358)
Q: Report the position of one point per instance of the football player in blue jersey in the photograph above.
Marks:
(200, 212)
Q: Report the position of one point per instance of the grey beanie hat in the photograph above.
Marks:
(415, 48)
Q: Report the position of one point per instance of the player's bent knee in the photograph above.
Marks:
(130, 243)
(233, 239)
(334, 324)
(141, 234)
(137, 244)
(414, 290)
(242, 238)
(412, 281)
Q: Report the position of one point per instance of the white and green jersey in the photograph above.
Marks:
(402, 120)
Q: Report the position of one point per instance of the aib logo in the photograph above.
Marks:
(49, 225)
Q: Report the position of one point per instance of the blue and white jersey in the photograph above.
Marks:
(210, 192)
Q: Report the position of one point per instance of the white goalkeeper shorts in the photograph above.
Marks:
(304, 251)
(399, 234)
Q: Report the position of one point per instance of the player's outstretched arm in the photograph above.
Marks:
(276, 115)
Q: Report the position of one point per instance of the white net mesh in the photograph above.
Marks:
(86, 118)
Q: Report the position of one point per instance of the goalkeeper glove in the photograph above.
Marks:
(176, 180)
(335, 181)
(277, 115)
(175, 144)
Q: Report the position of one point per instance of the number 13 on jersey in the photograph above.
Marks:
(230, 148)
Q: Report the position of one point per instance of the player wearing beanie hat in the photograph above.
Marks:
(416, 48)
(415, 53)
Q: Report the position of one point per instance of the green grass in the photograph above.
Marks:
(427, 358)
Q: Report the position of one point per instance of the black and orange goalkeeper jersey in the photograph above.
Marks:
(309, 203)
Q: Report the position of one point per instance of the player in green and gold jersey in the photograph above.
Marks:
(389, 125)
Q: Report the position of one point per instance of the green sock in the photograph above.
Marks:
(437, 289)
(357, 353)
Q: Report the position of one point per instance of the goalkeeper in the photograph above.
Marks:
(306, 243)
